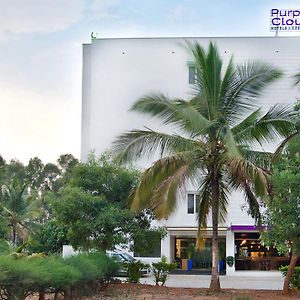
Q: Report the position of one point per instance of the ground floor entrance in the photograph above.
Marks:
(196, 256)
(239, 243)
(251, 254)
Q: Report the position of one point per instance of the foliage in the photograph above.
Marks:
(190, 250)
(145, 242)
(161, 270)
(22, 191)
(20, 209)
(134, 270)
(95, 221)
(283, 211)
(36, 175)
(50, 238)
(295, 281)
(230, 261)
(212, 147)
(104, 177)
(74, 277)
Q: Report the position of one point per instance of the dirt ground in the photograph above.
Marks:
(149, 292)
(120, 291)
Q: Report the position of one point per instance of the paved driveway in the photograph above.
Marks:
(256, 280)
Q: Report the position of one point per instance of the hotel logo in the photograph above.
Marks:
(285, 19)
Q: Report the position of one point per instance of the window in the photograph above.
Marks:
(191, 204)
(192, 75)
(150, 246)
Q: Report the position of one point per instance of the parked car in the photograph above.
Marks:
(123, 257)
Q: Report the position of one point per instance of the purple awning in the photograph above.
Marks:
(247, 228)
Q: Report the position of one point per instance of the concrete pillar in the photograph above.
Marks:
(166, 247)
(230, 251)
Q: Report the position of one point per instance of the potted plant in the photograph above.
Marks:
(230, 261)
(187, 263)
(190, 253)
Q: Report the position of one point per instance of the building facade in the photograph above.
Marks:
(117, 72)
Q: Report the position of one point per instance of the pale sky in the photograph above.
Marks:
(41, 48)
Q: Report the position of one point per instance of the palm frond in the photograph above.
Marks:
(223, 200)
(230, 144)
(253, 204)
(245, 171)
(242, 128)
(250, 80)
(277, 122)
(205, 197)
(163, 201)
(137, 143)
(296, 79)
(261, 159)
(204, 203)
(177, 112)
(284, 143)
(208, 65)
(163, 177)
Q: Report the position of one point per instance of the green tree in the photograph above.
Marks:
(283, 210)
(20, 210)
(93, 206)
(104, 177)
(215, 130)
(50, 238)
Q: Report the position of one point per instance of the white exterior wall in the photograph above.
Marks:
(116, 72)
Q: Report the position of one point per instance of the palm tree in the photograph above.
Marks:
(20, 210)
(215, 130)
(295, 134)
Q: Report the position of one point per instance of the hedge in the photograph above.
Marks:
(74, 277)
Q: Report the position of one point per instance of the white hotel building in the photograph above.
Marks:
(116, 72)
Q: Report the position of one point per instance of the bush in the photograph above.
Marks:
(75, 276)
(295, 281)
(230, 261)
(106, 266)
(134, 270)
(95, 269)
(14, 279)
(27, 275)
(162, 269)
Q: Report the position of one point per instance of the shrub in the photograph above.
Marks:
(106, 267)
(14, 278)
(242, 298)
(24, 276)
(134, 270)
(295, 281)
(57, 276)
(162, 269)
(74, 277)
(230, 261)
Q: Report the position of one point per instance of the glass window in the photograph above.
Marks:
(154, 252)
(192, 74)
(191, 204)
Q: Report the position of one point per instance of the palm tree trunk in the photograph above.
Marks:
(215, 281)
(289, 274)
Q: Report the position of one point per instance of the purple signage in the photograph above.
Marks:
(247, 227)
(285, 19)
